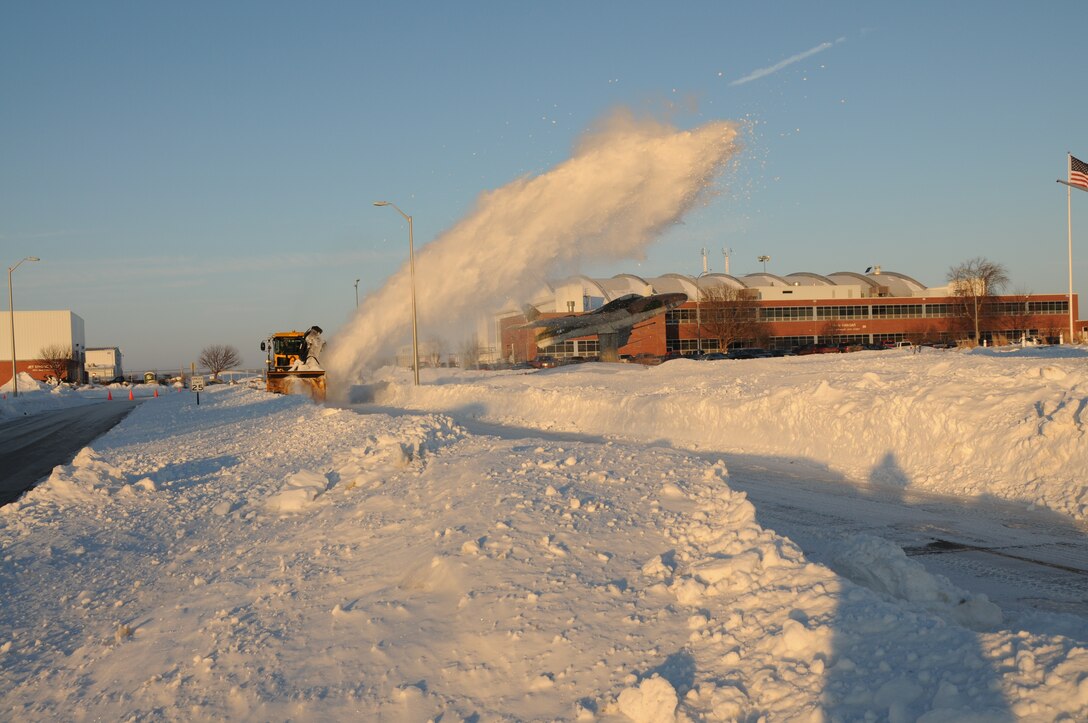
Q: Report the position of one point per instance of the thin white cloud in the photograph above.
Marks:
(763, 72)
(180, 271)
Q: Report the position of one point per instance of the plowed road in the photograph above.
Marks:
(30, 447)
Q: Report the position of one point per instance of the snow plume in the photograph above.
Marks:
(627, 180)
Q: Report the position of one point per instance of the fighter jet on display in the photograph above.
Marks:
(612, 323)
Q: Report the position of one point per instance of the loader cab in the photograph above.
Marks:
(285, 349)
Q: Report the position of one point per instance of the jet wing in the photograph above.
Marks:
(616, 317)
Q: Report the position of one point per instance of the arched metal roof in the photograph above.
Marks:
(773, 278)
(912, 284)
(673, 283)
(898, 285)
(596, 284)
(631, 284)
(866, 281)
(814, 279)
(726, 280)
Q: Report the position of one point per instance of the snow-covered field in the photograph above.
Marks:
(259, 557)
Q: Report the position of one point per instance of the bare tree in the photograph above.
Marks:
(57, 358)
(976, 282)
(219, 357)
(470, 353)
(728, 314)
(434, 349)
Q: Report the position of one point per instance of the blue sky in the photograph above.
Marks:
(203, 172)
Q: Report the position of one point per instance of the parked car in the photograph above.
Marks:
(749, 353)
(806, 349)
(714, 356)
(544, 362)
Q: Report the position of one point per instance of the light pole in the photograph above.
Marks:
(356, 293)
(412, 269)
(11, 308)
(699, 313)
(764, 259)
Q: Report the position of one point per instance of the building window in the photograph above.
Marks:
(680, 316)
(934, 311)
(789, 342)
(842, 312)
(785, 313)
(897, 311)
(1048, 307)
(849, 339)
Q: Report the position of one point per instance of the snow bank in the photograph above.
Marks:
(423, 573)
(882, 566)
(35, 397)
(1007, 424)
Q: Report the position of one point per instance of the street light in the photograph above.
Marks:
(764, 259)
(698, 313)
(11, 308)
(356, 293)
(412, 268)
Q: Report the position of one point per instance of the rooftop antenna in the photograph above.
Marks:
(725, 252)
(705, 270)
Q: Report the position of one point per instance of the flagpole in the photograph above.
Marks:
(1069, 227)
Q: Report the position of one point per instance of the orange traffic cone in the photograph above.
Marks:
(109, 395)
(130, 397)
(156, 394)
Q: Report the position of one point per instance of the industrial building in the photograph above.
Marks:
(800, 308)
(36, 332)
(103, 365)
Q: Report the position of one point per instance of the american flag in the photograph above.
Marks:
(1078, 173)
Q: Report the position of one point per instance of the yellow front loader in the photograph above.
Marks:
(292, 363)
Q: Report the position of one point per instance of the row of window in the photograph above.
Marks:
(875, 311)
(580, 347)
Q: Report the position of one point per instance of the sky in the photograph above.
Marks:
(204, 173)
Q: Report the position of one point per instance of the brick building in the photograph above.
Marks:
(800, 308)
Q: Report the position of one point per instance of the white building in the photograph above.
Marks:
(103, 364)
(36, 331)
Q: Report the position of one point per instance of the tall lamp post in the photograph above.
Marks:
(11, 308)
(699, 313)
(356, 293)
(764, 259)
(412, 268)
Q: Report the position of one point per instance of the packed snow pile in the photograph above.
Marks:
(1010, 424)
(259, 557)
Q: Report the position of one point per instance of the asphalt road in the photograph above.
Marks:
(30, 447)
